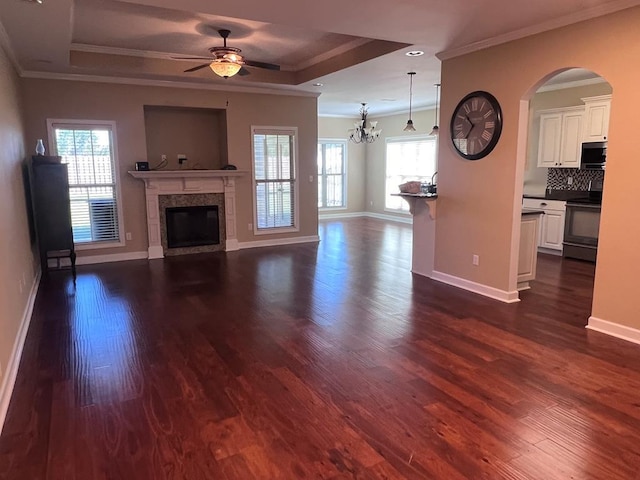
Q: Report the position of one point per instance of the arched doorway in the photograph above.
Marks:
(559, 117)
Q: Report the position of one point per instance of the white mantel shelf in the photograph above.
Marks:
(186, 182)
(158, 174)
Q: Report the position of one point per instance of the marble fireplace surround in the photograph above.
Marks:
(188, 182)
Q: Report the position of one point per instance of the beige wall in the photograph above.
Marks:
(535, 179)
(125, 105)
(392, 127)
(478, 201)
(336, 128)
(198, 133)
(16, 257)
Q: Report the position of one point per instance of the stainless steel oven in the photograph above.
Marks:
(581, 227)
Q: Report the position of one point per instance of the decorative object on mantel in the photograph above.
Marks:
(361, 133)
(410, 127)
(229, 167)
(436, 130)
(39, 147)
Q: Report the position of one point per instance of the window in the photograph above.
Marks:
(331, 173)
(88, 150)
(274, 170)
(407, 160)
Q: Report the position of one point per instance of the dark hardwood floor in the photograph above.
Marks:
(318, 361)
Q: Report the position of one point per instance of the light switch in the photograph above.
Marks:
(310, 178)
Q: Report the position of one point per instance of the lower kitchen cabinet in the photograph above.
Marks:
(552, 224)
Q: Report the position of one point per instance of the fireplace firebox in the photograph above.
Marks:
(192, 226)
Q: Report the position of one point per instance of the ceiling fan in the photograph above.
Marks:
(227, 61)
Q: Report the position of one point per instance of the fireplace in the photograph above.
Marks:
(192, 226)
(192, 223)
(189, 188)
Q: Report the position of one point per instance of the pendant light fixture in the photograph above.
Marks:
(436, 129)
(410, 127)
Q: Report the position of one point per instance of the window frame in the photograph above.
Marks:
(52, 124)
(276, 130)
(404, 139)
(345, 200)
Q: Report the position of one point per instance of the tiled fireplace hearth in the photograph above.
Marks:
(193, 188)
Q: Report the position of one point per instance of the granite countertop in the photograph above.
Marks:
(416, 195)
(559, 194)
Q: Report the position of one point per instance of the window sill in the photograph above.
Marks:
(97, 245)
(276, 230)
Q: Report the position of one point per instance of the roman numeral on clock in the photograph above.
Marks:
(486, 135)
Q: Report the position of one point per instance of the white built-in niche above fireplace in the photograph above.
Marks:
(171, 186)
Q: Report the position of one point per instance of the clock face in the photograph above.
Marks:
(476, 125)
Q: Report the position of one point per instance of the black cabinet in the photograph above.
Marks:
(51, 212)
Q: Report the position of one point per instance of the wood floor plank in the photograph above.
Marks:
(323, 361)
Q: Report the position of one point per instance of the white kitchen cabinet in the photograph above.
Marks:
(596, 118)
(552, 223)
(560, 140)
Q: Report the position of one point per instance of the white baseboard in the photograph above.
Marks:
(491, 292)
(550, 251)
(331, 216)
(11, 372)
(614, 329)
(379, 216)
(393, 218)
(114, 257)
(278, 241)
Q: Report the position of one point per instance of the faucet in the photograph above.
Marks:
(433, 176)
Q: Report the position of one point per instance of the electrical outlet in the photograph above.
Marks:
(128, 235)
(310, 178)
(569, 180)
(371, 203)
(250, 226)
(476, 260)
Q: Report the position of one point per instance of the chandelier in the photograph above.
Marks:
(361, 133)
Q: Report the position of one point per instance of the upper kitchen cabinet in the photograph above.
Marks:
(596, 118)
(560, 139)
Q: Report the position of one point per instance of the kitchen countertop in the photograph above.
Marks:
(568, 195)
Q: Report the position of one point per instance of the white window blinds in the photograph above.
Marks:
(274, 176)
(331, 173)
(89, 154)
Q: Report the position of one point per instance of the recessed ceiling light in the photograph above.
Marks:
(414, 53)
(318, 84)
(36, 1)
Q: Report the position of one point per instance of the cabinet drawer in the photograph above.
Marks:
(543, 204)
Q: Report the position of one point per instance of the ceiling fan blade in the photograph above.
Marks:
(243, 71)
(204, 65)
(268, 66)
(191, 58)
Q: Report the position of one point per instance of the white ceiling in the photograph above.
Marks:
(356, 49)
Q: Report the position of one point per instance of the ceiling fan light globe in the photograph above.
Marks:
(225, 69)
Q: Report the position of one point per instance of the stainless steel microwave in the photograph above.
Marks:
(594, 156)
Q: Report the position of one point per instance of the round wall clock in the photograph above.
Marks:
(476, 125)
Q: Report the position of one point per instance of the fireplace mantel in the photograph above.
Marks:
(184, 182)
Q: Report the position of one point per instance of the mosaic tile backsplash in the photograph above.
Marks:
(558, 178)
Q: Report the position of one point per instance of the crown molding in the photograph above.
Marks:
(5, 44)
(575, 17)
(75, 77)
(573, 84)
